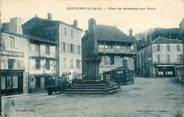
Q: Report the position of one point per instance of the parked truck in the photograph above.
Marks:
(57, 84)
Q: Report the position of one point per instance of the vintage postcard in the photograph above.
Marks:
(92, 58)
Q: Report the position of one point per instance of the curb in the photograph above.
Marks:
(23, 95)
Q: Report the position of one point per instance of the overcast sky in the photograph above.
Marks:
(166, 13)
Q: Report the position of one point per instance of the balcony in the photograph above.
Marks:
(116, 51)
(42, 55)
(11, 53)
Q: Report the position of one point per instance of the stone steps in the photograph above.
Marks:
(93, 87)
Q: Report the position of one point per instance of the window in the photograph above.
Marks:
(3, 80)
(14, 82)
(13, 45)
(178, 47)
(37, 61)
(112, 60)
(64, 47)
(65, 62)
(65, 31)
(125, 62)
(78, 49)
(71, 48)
(71, 63)
(168, 59)
(168, 48)
(2, 63)
(72, 33)
(158, 47)
(11, 63)
(47, 64)
(47, 50)
(9, 82)
(100, 46)
(37, 50)
(158, 58)
(78, 62)
(106, 46)
(179, 58)
(106, 60)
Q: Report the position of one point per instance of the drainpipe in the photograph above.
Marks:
(28, 65)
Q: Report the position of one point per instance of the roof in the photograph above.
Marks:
(18, 35)
(182, 21)
(163, 40)
(174, 33)
(41, 40)
(111, 33)
(47, 22)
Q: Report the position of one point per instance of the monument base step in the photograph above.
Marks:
(93, 87)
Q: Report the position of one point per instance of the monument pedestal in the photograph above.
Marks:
(91, 82)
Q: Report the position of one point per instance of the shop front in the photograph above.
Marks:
(11, 82)
(38, 82)
(166, 71)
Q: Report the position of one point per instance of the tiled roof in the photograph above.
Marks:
(111, 33)
(47, 22)
(163, 40)
(173, 33)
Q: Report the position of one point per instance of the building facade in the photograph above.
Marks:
(114, 48)
(13, 63)
(42, 63)
(160, 58)
(63, 39)
(70, 50)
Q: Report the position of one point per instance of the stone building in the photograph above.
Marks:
(115, 48)
(14, 26)
(160, 58)
(64, 40)
(13, 63)
(42, 62)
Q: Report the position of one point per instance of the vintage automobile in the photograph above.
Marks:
(121, 75)
(57, 84)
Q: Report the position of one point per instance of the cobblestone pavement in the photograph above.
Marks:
(145, 98)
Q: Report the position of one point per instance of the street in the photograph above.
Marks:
(144, 98)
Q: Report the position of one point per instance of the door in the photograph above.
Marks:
(8, 83)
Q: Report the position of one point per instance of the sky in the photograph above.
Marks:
(162, 13)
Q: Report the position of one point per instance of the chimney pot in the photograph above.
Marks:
(130, 32)
(49, 16)
(75, 23)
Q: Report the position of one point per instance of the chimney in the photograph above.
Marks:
(130, 32)
(36, 16)
(49, 16)
(75, 23)
(91, 25)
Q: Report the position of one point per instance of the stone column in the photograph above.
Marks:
(90, 57)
